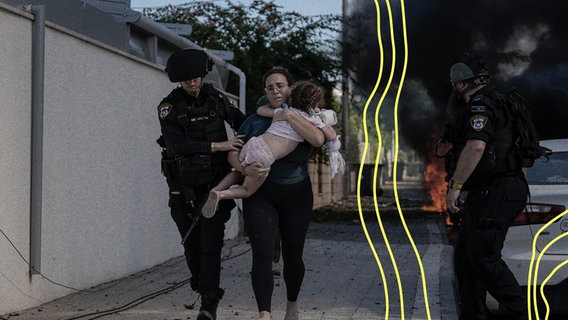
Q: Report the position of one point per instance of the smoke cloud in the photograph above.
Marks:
(523, 41)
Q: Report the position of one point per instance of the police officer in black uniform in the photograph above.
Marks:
(487, 186)
(194, 159)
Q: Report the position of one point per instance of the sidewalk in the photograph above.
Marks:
(343, 280)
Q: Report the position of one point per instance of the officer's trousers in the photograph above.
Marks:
(487, 214)
(202, 249)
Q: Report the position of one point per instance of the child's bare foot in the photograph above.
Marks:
(210, 206)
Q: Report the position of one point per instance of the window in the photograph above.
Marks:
(549, 172)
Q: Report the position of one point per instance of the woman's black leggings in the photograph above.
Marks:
(274, 207)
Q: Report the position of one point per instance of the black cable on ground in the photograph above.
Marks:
(127, 306)
(150, 296)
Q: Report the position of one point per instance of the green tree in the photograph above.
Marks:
(262, 36)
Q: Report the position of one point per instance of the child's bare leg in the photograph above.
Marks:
(210, 206)
(230, 179)
(249, 186)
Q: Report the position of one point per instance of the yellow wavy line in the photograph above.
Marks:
(377, 159)
(366, 137)
(422, 275)
(537, 264)
(544, 283)
(361, 218)
(530, 273)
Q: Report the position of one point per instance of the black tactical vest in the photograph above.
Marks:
(206, 122)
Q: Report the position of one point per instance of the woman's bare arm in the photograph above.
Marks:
(265, 111)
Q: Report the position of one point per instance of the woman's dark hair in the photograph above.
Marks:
(278, 70)
(307, 95)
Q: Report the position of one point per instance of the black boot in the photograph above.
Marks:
(209, 303)
(194, 284)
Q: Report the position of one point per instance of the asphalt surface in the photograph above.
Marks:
(354, 270)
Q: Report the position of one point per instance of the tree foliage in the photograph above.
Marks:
(262, 36)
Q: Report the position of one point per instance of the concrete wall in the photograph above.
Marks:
(104, 213)
(325, 189)
(104, 200)
(15, 95)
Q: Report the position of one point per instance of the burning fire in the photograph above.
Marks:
(435, 181)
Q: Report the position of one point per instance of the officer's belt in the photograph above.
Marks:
(484, 182)
(506, 179)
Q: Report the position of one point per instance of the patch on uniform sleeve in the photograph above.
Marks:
(478, 108)
(164, 109)
(478, 122)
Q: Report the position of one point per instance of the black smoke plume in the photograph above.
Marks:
(524, 41)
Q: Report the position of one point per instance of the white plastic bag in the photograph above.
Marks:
(336, 161)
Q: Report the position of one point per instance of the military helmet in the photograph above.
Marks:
(188, 64)
(470, 66)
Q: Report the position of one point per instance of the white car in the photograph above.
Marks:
(548, 184)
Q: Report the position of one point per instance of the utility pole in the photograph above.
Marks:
(345, 93)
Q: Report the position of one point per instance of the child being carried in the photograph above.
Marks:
(278, 141)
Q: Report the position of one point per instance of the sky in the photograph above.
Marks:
(304, 7)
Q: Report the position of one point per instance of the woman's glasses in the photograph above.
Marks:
(276, 87)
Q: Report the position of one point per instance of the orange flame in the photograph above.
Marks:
(435, 180)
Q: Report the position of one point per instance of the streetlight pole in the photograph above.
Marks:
(345, 92)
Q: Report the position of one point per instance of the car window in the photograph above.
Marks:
(551, 171)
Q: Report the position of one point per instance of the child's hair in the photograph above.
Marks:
(307, 95)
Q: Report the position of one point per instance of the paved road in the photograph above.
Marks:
(343, 278)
